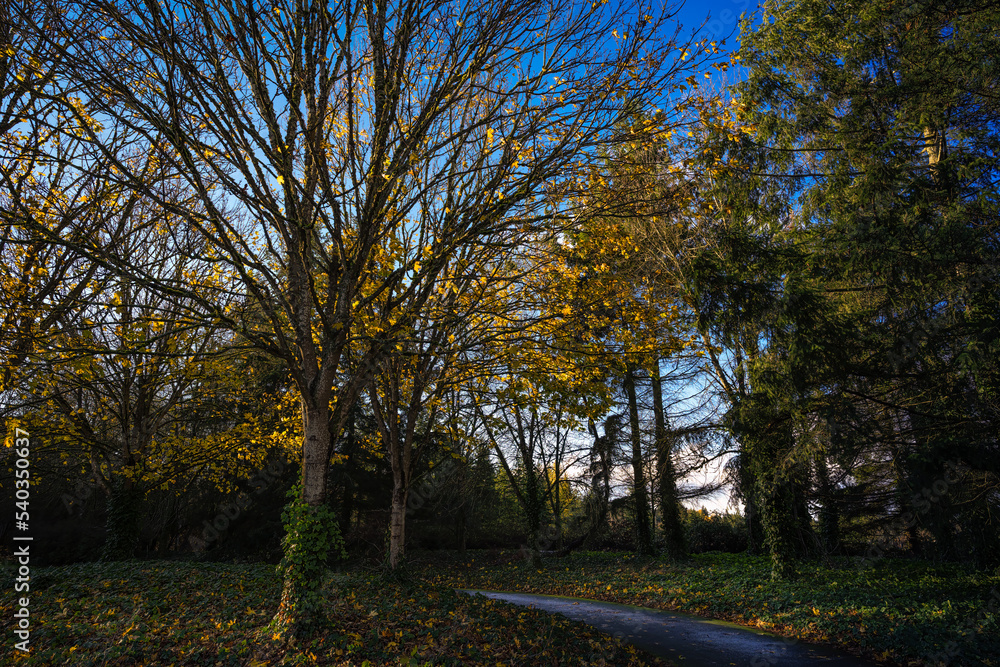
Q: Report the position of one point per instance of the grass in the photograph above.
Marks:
(898, 611)
(176, 613)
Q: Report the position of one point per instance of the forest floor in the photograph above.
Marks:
(161, 613)
(893, 611)
(199, 613)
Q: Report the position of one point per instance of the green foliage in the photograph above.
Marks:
(312, 535)
(188, 615)
(712, 531)
(504, 523)
(878, 122)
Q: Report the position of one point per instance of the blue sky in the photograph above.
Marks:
(724, 21)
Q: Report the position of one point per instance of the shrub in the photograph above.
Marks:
(714, 531)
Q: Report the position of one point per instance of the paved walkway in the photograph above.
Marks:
(690, 641)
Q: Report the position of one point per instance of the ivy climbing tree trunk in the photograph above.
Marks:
(670, 519)
(311, 530)
(123, 522)
(766, 436)
(644, 538)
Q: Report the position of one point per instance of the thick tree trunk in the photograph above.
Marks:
(776, 494)
(397, 524)
(766, 435)
(315, 455)
(123, 521)
(643, 535)
(670, 519)
(778, 523)
(300, 609)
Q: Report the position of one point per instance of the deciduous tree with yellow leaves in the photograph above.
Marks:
(344, 153)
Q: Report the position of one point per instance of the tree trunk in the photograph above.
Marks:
(534, 516)
(829, 514)
(557, 503)
(315, 455)
(936, 146)
(308, 536)
(751, 504)
(670, 520)
(397, 523)
(123, 521)
(643, 535)
(766, 435)
(776, 495)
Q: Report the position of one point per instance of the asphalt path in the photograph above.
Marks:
(690, 641)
